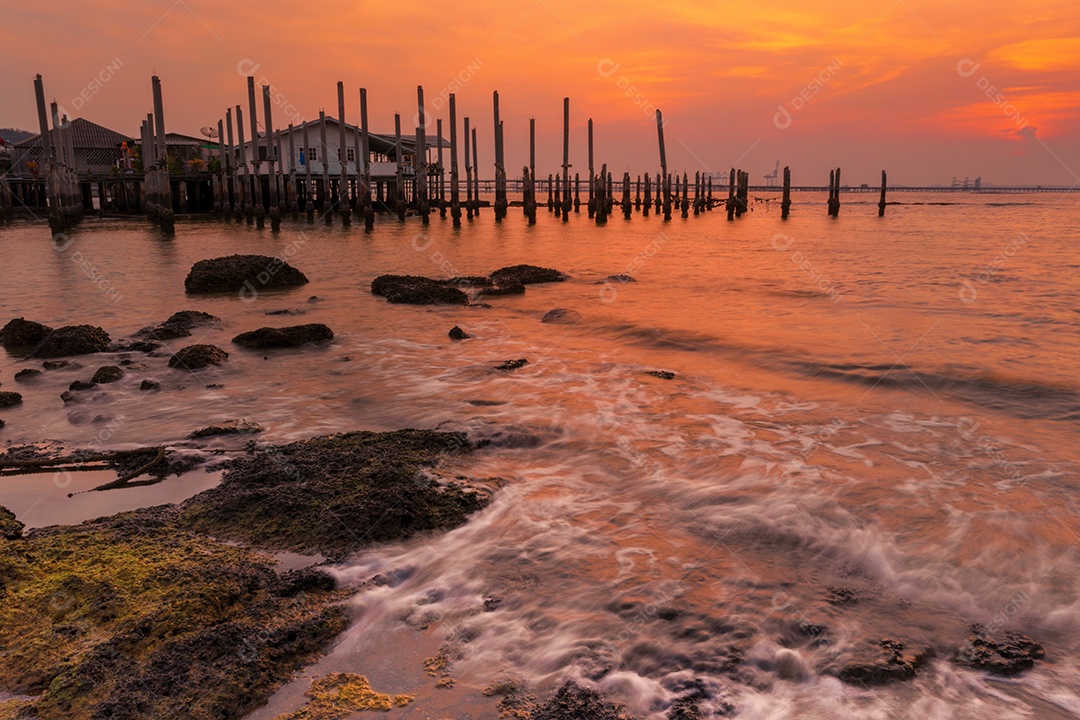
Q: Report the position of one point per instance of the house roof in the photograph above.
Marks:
(83, 134)
(380, 142)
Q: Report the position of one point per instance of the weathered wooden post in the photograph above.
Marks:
(232, 205)
(648, 197)
(551, 196)
(627, 204)
(256, 160)
(531, 209)
(744, 194)
(168, 219)
(592, 175)
(476, 174)
(455, 190)
(468, 174)
(577, 192)
(442, 170)
(731, 196)
(326, 196)
(709, 202)
(601, 201)
(309, 202)
(271, 151)
(56, 223)
(637, 193)
(290, 192)
(685, 195)
(566, 159)
(881, 202)
(500, 188)
(421, 168)
(834, 192)
(663, 165)
(399, 194)
(785, 204)
(365, 153)
(245, 184)
(558, 195)
(343, 160)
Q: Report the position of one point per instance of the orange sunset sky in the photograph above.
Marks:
(901, 85)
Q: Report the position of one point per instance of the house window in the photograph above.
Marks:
(313, 153)
(350, 154)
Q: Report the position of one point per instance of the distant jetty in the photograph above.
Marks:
(329, 169)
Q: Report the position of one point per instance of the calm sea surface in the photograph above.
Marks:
(884, 407)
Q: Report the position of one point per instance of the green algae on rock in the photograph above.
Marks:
(336, 494)
(338, 695)
(131, 617)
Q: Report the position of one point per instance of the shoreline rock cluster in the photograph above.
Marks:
(419, 290)
(154, 613)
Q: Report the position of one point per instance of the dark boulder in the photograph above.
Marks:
(196, 357)
(285, 337)
(57, 364)
(229, 427)
(250, 273)
(179, 325)
(9, 399)
(620, 278)
(27, 374)
(107, 374)
(662, 374)
(887, 664)
(526, 275)
(512, 364)
(457, 333)
(82, 385)
(1010, 655)
(72, 340)
(417, 290)
(143, 346)
(561, 315)
(23, 333)
(150, 385)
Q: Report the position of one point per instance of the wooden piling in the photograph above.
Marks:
(881, 202)
(290, 192)
(476, 175)
(500, 171)
(685, 195)
(442, 173)
(601, 191)
(256, 161)
(365, 154)
(455, 191)
(343, 157)
(592, 174)
(730, 205)
(309, 204)
(468, 174)
(648, 197)
(246, 185)
(834, 193)
(167, 218)
(326, 200)
(785, 204)
(421, 169)
(663, 165)
(271, 152)
(399, 199)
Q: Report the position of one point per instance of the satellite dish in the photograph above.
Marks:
(210, 132)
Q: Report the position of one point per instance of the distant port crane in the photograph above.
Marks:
(770, 178)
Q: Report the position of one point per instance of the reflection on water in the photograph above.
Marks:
(869, 434)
